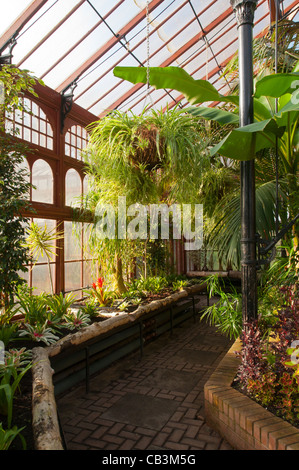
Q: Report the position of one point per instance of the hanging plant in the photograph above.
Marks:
(145, 156)
(156, 157)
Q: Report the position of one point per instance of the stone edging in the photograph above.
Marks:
(44, 412)
(242, 422)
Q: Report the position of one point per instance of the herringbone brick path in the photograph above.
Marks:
(150, 403)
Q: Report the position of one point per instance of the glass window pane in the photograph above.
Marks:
(42, 179)
(41, 278)
(72, 276)
(73, 189)
(72, 241)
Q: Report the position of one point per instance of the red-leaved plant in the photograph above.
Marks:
(100, 293)
(265, 373)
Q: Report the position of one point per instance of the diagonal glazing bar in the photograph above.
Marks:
(21, 21)
(108, 45)
(80, 40)
(49, 34)
(172, 58)
(155, 29)
(142, 63)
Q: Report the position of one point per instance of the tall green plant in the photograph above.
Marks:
(14, 186)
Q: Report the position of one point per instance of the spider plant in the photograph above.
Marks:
(151, 158)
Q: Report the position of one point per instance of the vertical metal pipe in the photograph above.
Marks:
(244, 11)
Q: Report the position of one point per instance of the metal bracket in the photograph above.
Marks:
(6, 59)
(264, 246)
(67, 100)
(262, 250)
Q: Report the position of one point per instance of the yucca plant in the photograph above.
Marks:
(41, 242)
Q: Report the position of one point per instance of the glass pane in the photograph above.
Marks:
(72, 276)
(87, 273)
(42, 179)
(41, 278)
(73, 189)
(72, 241)
(25, 172)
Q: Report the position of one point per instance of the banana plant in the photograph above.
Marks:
(244, 142)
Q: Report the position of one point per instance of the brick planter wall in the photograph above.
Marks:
(242, 422)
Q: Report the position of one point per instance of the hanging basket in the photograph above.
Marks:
(148, 147)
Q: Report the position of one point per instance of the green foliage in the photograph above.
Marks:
(41, 242)
(9, 333)
(75, 320)
(226, 313)
(7, 436)
(34, 307)
(13, 191)
(14, 187)
(100, 293)
(180, 284)
(152, 158)
(16, 365)
(59, 304)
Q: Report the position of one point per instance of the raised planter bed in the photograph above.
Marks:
(241, 421)
(74, 357)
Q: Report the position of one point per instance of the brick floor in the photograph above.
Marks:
(124, 410)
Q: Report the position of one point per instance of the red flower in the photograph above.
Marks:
(100, 282)
(94, 285)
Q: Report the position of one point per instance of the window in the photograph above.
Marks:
(42, 180)
(41, 272)
(31, 125)
(73, 188)
(77, 263)
(76, 139)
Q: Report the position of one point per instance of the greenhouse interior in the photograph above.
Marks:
(149, 227)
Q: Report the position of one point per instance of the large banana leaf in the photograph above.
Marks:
(175, 78)
(244, 142)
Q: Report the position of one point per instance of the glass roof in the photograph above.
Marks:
(81, 41)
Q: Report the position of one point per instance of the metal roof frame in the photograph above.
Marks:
(219, 12)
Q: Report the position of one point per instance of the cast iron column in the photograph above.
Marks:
(244, 11)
